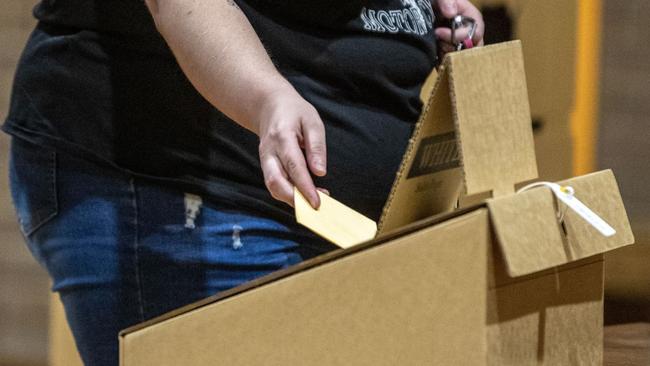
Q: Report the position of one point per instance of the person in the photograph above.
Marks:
(155, 147)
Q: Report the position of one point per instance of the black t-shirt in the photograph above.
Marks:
(97, 80)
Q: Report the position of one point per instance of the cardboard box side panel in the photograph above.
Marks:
(492, 116)
(307, 265)
(388, 305)
(532, 238)
(554, 319)
(528, 231)
(417, 196)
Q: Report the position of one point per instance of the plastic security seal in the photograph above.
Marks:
(459, 23)
(566, 194)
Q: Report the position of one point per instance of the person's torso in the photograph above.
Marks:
(101, 78)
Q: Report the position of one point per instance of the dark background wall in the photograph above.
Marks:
(624, 146)
(624, 142)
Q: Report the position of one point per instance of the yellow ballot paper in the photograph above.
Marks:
(334, 221)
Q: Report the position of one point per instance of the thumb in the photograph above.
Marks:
(448, 8)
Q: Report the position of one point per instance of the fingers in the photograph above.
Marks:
(283, 166)
(313, 133)
(444, 35)
(446, 47)
(466, 8)
(323, 190)
(461, 7)
(293, 162)
(448, 8)
(289, 125)
(275, 179)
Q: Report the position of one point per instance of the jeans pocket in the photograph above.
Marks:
(32, 178)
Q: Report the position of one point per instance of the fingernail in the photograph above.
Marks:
(451, 9)
(315, 202)
(318, 164)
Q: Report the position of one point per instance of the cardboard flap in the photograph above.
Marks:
(532, 238)
(475, 126)
(429, 179)
(492, 117)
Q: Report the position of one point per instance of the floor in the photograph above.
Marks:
(627, 345)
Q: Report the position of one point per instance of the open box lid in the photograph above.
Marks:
(532, 238)
(481, 94)
(474, 136)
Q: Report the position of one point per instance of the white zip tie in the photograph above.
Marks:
(566, 194)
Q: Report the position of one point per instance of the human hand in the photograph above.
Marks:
(287, 124)
(451, 8)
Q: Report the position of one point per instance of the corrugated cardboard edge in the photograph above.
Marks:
(524, 167)
(454, 117)
(446, 76)
(306, 265)
(340, 311)
(411, 150)
(408, 154)
(520, 164)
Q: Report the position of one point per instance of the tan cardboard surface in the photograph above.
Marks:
(602, 195)
(492, 116)
(382, 304)
(450, 293)
(532, 238)
(547, 29)
(477, 117)
(429, 178)
(387, 305)
(528, 231)
(552, 318)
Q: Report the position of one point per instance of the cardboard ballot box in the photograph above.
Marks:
(514, 280)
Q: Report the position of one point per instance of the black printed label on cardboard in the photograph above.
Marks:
(435, 154)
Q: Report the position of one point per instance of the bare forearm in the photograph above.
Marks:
(221, 54)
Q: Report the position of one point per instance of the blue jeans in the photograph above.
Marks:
(121, 249)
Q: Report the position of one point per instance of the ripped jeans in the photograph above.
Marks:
(121, 250)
